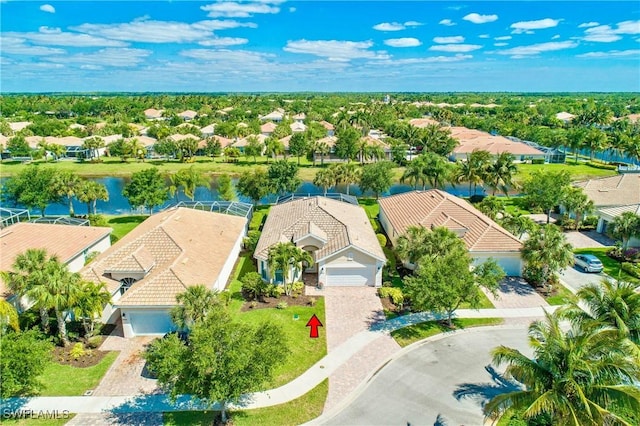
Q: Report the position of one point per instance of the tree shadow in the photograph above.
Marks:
(516, 285)
(484, 392)
(128, 219)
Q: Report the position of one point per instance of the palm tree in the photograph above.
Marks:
(193, 305)
(575, 137)
(610, 303)
(346, 173)
(546, 251)
(594, 140)
(436, 168)
(189, 179)
(273, 147)
(66, 184)
(573, 377)
(415, 173)
(518, 225)
(626, 226)
(284, 257)
(90, 192)
(418, 242)
(26, 276)
(475, 169)
(323, 149)
(577, 202)
(8, 317)
(491, 206)
(324, 179)
(92, 298)
(500, 174)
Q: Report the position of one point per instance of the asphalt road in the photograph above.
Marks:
(576, 278)
(444, 382)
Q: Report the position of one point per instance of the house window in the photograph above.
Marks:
(125, 284)
(350, 256)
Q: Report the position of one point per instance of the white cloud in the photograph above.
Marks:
(555, 37)
(403, 42)
(147, 31)
(607, 34)
(413, 24)
(389, 26)
(536, 49)
(500, 44)
(448, 40)
(455, 47)
(447, 22)
(427, 60)
(292, 9)
(501, 38)
(17, 46)
(484, 36)
(611, 54)
(223, 41)
(231, 9)
(109, 57)
(335, 50)
(234, 58)
(540, 24)
(480, 19)
(57, 37)
(588, 25)
(48, 8)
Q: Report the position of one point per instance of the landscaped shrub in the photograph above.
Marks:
(78, 351)
(631, 269)
(393, 293)
(382, 239)
(251, 240)
(94, 341)
(476, 198)
(602, 166)
(632, 255)
(225, 297)
(253, 285)
(297, 287)
(313, 301)
(274, 290)
(98, 220)
(590, 222)
(566, 223)
(537, 161)
(282, 305)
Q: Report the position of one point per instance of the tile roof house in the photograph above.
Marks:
(328, 127)
(482, 236)
(161, 258)
(619, 190)
(268, 128)
(153, 114)
(188, 115)
(70, 243)
(337, 234)
(423, 122)
(471, 139)
(208, 130)
(276, 116)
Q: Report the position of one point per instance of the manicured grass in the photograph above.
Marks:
(122, 225)
(299, 411)
(560, 297)
(39, 422)
(408, 335)
(611, 266)
(258, 218)
(580, 171)
(372, 208)
(485, 303)
(515, 205)
(65, 380)
(304, 351)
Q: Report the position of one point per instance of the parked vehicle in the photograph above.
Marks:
(588, 263)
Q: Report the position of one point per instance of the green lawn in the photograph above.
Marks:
(258, 218)
(515, 205)
(38, 422)
(304, 351)
(560, 297)
(611, 266)
(122, 225)
(372, 208)
(299, 411)
(65, 380)
(580, 171)
(408, 335)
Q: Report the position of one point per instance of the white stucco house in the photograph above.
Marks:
(161, 258)
(483, 237)
(71, 244)
(337, 234)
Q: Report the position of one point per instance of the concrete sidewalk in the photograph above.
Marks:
(292, 390)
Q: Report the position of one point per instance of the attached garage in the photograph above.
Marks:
(350, 276)
(511, 263)
(149, 322)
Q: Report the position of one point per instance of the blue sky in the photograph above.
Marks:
(276, 45)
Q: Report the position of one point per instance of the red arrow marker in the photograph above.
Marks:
(314, 323)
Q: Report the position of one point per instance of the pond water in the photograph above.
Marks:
(118, 204)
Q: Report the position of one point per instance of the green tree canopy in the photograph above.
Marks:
(33, 187)
(24, 358)
(347, 143)
(283, 177)
(376, 177)
(254, 185)
(546, 252)
(147, 189)
(626, 226)
(226, 191)
(546, 189)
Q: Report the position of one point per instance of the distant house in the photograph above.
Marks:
(268, 128)
(299, 118)
(423, 122)
(71, 244)
(483, 237)
(470, 140)
(606, 215)
(242, 143)
(19, 125)
(162, 257)
(565, 117)
(337, 234)
(298, 126)
(208, 130)
(275, 116)
(153, 114)
(188, 115)
(328, 127)
(375, 141)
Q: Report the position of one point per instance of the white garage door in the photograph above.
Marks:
(153, 322)
(339, 276)
(511, 266)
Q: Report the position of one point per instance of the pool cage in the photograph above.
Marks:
(10, 216)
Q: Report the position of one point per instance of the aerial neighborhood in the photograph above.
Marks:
(259, 258)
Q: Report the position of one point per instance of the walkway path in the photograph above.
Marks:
(292, 390)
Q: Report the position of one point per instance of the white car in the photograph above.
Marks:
(588, 263)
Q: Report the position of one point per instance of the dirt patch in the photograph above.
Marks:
(273, 302)
(90, 358)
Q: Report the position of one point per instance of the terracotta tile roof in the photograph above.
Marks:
(64, 241)
(191, 114)
(423, 122)
(342, 224)
(617, 190)
(327, 125)
(617, 211)
(268, 127)
(437, 208)
(179, 247)
(471, 139)
(329, 140)
(153, 113)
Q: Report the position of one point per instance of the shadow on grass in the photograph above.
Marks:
(484, 392)
(127, 219)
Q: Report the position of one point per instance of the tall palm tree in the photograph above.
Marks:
(193, 305)
(500, 174)
(284, 257)
(273, 147)
(437, 169)
(418, 242)
(90, 192)
(577, 202)
(594, 140)
(415, 173)
(189, 179)
(92, 298)
(518, 225)
(66, 184)
(626, 226)
(611, 303)
(324, 179)
(573, 377)
(346, 173)
(323, 149)
(475, 171)
(26, 275)
(575, 137)
(546, 251)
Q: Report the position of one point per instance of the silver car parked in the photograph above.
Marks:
(588, 263)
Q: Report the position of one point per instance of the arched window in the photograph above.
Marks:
(125, 284)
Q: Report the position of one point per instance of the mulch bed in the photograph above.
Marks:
(62, 356)
(272, 302)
